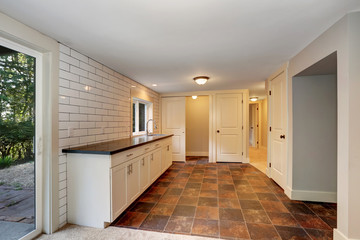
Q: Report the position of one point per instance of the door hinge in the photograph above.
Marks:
(242, 127)
(270, 129)
(269, 164)
(257, 142)
(242, 101)
(270, 93)
(242, 154)
(257, 125)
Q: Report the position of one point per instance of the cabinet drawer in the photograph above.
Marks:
(125, 156)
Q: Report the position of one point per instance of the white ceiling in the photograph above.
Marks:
(237, 43)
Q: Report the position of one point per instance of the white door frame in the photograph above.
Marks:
(212, 118)
(18, 33)
(38, 133)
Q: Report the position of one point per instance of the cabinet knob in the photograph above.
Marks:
(282, 136)
(218, 131)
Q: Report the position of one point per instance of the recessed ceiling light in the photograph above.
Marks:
(194, 97)
(154, 85)
(201, 80)
(253, 99)
(133, 86)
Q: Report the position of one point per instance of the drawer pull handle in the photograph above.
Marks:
(129, 155)
(147, 149)
(157, 145)
(168, 147)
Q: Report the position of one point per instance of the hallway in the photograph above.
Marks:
(258, 158)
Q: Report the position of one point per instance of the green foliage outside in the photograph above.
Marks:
(17, 108)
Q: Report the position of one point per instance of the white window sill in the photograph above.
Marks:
(136, 134)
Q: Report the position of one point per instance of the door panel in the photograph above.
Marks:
(118, 190)
(133, 180)
(144, 173)
(176, 142)
(155, 165)
(278, 128)
(229, 123)
(173, 119)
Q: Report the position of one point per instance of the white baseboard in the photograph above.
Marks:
(316, 196)
(340, 236)
(247, 160)
(268, 172)
(196, 154)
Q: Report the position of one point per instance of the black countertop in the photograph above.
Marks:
(112, 147)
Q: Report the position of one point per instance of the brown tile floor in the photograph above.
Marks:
(232, 201)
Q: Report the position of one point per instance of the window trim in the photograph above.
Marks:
(148, 115)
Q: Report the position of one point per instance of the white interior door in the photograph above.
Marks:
(251, 126)
(229, 127)
(173, 122)
(256, 125)
(278, 129)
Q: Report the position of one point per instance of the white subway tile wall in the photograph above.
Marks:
(94, 106)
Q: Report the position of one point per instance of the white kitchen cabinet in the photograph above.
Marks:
(102, 186)
(166, 155)
(144, 173)
(155, 165)
(118, 188)
(133, 179)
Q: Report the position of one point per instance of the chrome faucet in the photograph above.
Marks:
(147, 127)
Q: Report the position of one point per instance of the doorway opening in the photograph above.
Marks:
(258, 134)
(315, 132)
(17, 147)
(197, 129)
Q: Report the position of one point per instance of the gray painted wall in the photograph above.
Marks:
(315, 133)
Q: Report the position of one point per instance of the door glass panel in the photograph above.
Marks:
(17, 148)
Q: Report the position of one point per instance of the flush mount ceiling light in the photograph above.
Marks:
(201, 80)
(154, 85)
(194, 97)
(253, 99)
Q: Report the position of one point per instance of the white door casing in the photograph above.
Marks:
(277, 101)
(173, 122)
(229, 127)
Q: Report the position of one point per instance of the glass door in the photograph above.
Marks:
(20, 145)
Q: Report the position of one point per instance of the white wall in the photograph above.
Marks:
(344, 38)
(94, 101)
(197, 126)
(315, 134)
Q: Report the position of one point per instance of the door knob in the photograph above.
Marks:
(218, 131)
(282, 136)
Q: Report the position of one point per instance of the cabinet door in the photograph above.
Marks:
(133, 179)
(168, 155)
(144, 172)
(155, 165)
(164, 162)
(118, 190)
